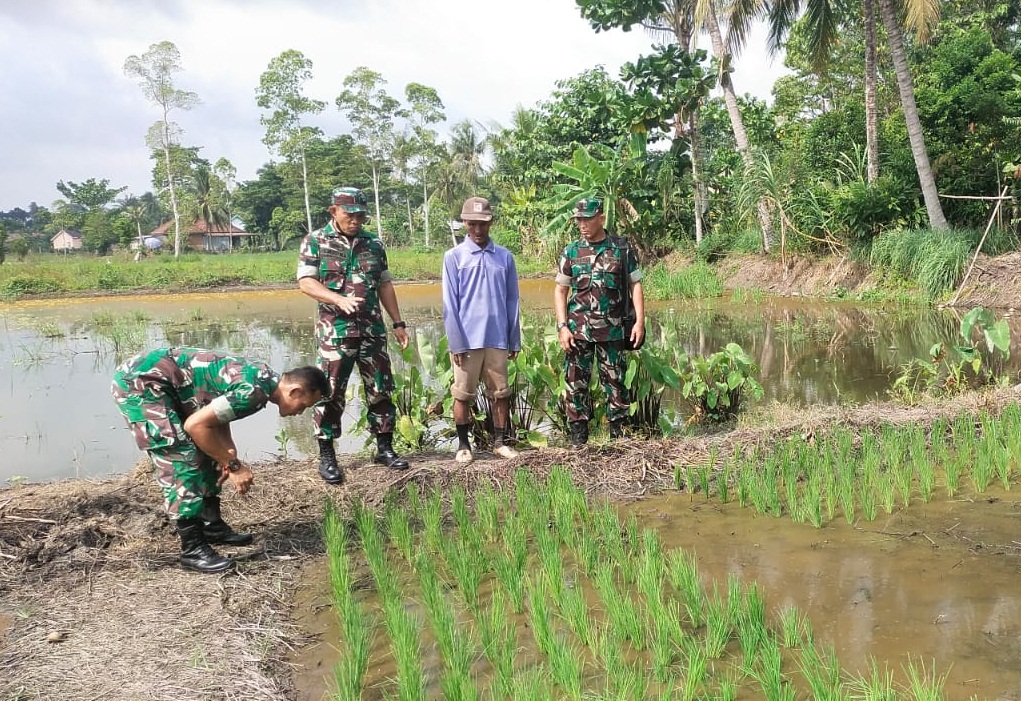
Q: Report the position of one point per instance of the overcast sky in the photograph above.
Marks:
(68, 112)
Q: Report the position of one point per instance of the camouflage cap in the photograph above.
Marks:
(350, 199)
(476, 209)
(588, 207)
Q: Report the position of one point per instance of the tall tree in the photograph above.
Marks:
(155, 71)
(280, 90)
(226, 181)
(372, 113)
(91, 194)
(823, 17)
(920, 14)
(424, 109)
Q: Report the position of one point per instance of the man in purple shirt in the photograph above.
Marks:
(481, 317)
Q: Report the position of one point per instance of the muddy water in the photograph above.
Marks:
(57, 357)
(930, 584)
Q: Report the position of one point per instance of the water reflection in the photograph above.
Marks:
(57, 356)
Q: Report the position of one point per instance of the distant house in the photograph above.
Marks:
(202, 236)
(66, 240)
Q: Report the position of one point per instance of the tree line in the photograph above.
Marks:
(897, 114)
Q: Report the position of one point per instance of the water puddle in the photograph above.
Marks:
(929, 584)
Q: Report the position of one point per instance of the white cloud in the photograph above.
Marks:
(69, 112)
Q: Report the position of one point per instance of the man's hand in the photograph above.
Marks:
(242, 479)
(637, 334)
(348, 305)
(401, 334)
(566, 339)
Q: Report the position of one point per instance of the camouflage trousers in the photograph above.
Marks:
(338, 362)
(186, 475)
(612, 364)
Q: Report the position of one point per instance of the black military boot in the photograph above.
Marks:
(579, 433)
(616, 429)
(329, 470)
(215, 529)
(195, 551)
(385, 454)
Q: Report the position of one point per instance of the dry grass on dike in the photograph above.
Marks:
(95, 561)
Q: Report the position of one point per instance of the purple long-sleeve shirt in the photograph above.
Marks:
(480, 298)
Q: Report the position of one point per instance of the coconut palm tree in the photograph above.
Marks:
(920, 16)
(140, 211)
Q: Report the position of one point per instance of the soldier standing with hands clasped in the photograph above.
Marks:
(593, 278)
(344, 268)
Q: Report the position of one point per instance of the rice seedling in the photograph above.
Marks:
(468, 563)
(533, 683)
(723, 482)
(877, 686)
(923, 683)
(459, 509)
(682, 570)
(488, 507)
(696, 666)
(575, 611)
(664, 638)
(922, 462)
(511, 577)
(567, 666)
(718, 625)
(821, 671)
(750, 621)
(792, 627)
(621, 610)
(350, 671)
(398, 525)
(587, 551)
(552, 562)
(375, 553)
(983, 467)
(496, 629)
(678, 478)
(630, 684)
(539, 614)
(870, 490)
(405, 639)
(769, 673)
(432, 521)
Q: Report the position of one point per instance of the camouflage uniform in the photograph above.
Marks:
(595, 272)
(352, 266)
(158, 390)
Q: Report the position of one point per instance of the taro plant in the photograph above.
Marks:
(650, 372)
(718, 385)
(955, 368)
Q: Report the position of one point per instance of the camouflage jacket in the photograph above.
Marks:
(354, 266)
(190, 378)
(599, 275)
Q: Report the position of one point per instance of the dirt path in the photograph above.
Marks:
(93, 606)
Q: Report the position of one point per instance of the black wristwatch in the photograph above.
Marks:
(400, 325)
(234, 465)
(561, 325)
